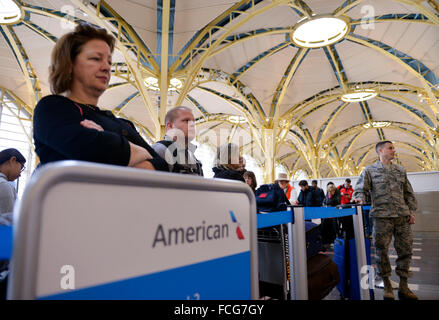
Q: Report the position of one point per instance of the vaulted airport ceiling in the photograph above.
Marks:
(311, 85)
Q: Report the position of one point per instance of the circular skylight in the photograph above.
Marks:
(359, 95)
(319, 31)
(9, 12)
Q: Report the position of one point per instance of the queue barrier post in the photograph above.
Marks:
(357, 216)
(297, 243)
(361, 251)
(299, 280)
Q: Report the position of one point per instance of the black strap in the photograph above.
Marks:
(178, 167)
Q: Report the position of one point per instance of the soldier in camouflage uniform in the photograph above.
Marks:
(392, 211)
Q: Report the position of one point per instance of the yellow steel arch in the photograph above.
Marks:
(255, 114)
(346, 6)
(427, 86)
(26, 66)
(15, 99)
(212, 45)
(282, 87)
(422, 9)
(134, 66)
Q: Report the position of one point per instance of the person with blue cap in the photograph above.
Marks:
(11, 165)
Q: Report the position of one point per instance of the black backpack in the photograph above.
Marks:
(270, 198)
(179, 168)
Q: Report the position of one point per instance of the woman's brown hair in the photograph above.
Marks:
(331, 188)
(66, 50)
(251, 175)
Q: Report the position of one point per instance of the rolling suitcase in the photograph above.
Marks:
(340, 261)
(345, 257)
(354, 292)
(323, 276)
(313, 239)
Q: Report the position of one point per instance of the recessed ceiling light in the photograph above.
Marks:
(237, 119)
(10, 12)
(376, 124)
(152, 83)
(175, 84)
(359, 95)
(319, 31)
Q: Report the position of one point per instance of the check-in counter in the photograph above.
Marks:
(91, 231)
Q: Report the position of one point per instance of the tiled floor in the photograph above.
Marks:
(425, 269)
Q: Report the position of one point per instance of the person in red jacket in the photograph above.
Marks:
(346, 191)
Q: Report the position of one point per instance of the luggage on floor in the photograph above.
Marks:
(354, 292)
(345, 257)
(323, 276)
(328, 227)
(313, 239)
(367, 222)
(272, 257)
(341, 262)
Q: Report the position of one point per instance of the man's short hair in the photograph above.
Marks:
(173, 114)
(303, 183)
(348, 180)
(7, 154)
(380, 144)
(314, 182)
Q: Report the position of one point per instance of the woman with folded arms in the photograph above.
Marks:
(69, 125)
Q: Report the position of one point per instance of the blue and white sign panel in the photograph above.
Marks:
(100, 241)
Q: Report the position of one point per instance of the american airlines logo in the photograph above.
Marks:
(202, 232)
(238, 229)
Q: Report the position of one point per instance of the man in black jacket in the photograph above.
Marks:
(176, 148)
(308, 196)
(319, 192)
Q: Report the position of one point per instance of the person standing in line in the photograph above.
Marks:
(308, 196)
(332, 199)
(393, 207)
(11, 166)
(347, 224)
(346, 191)
(319, 191)
(229, 163)
(68, 125)
(284, 183)
(176, 148)
(250, 179)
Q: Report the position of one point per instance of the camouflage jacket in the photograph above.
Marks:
(389, 189)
